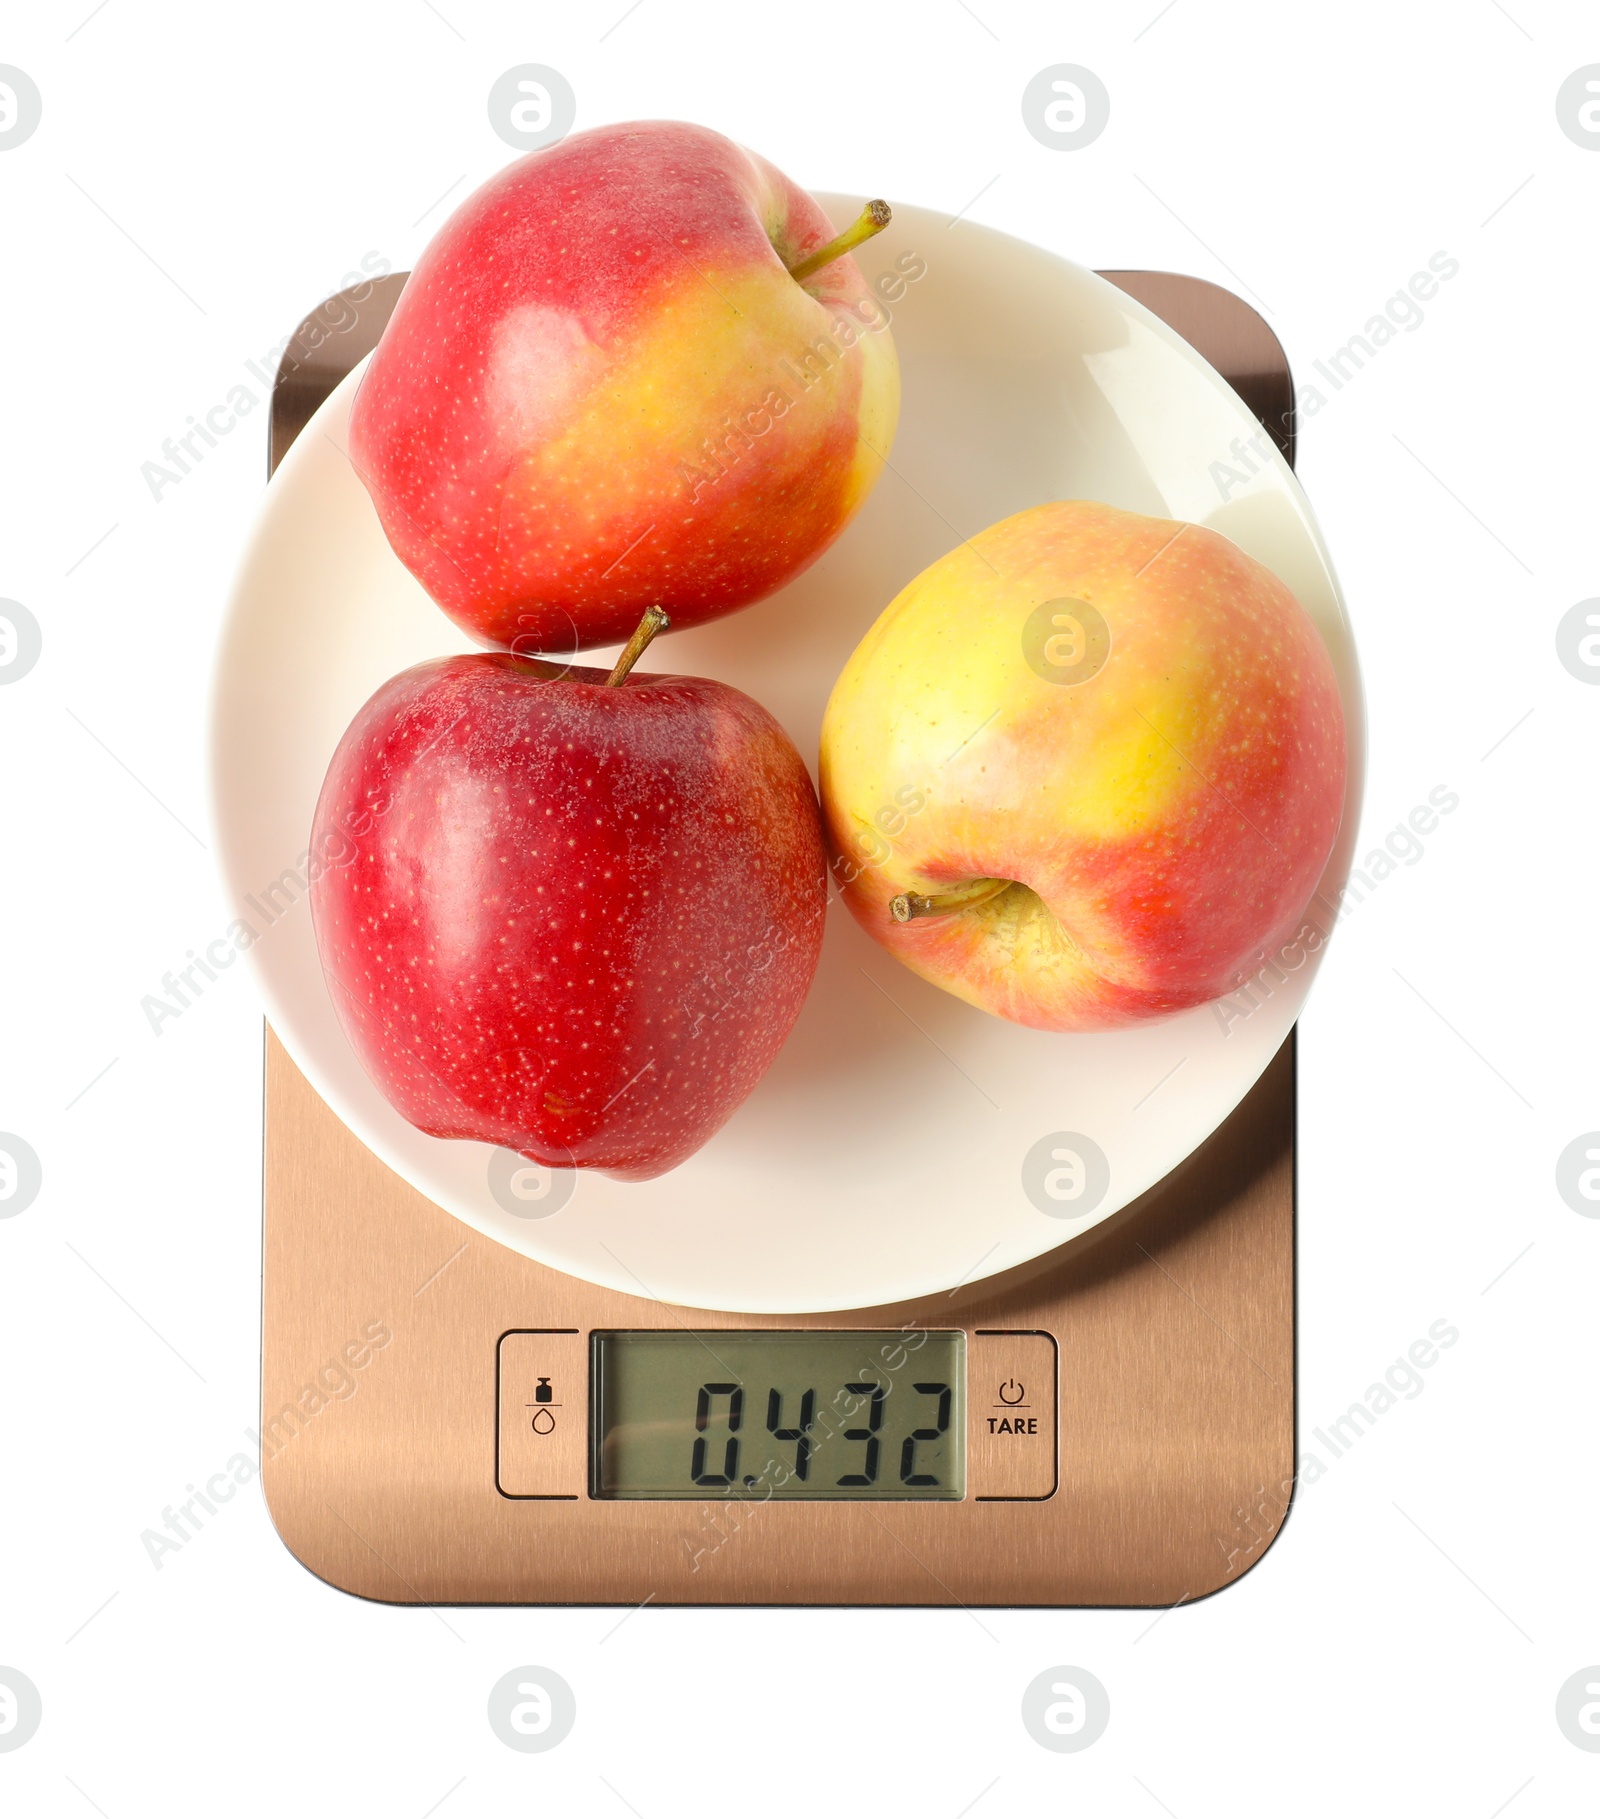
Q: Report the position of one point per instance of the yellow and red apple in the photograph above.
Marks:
(1086, 769)
(611, 382)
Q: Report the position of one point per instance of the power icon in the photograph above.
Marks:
(1011, 1392)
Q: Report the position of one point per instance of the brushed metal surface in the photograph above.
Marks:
(1176, 1377)
(324, 347)
(1174, 1323)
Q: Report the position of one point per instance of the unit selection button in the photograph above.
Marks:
(544, 1401)
(1011, 1416)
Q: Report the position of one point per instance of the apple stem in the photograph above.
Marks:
(909, 905)
(873, 219)
(654, 621)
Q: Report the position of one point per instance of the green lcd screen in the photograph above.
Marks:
(793, 1415)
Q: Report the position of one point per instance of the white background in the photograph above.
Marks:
(202, 176)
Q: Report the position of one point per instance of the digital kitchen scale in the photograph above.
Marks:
(445, 1420)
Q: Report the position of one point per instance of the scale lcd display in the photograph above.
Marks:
(786, 1415)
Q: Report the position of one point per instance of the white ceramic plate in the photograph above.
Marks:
(882, 1157)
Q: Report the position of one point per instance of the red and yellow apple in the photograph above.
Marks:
(1086, 769)
(604, 387)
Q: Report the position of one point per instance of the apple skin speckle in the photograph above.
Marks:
(571, 920)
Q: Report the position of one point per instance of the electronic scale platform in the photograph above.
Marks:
(1095, 1412)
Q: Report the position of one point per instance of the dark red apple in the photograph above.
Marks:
(573, 918)
(614, 378)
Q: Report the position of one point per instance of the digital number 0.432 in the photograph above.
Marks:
(802, 1434)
